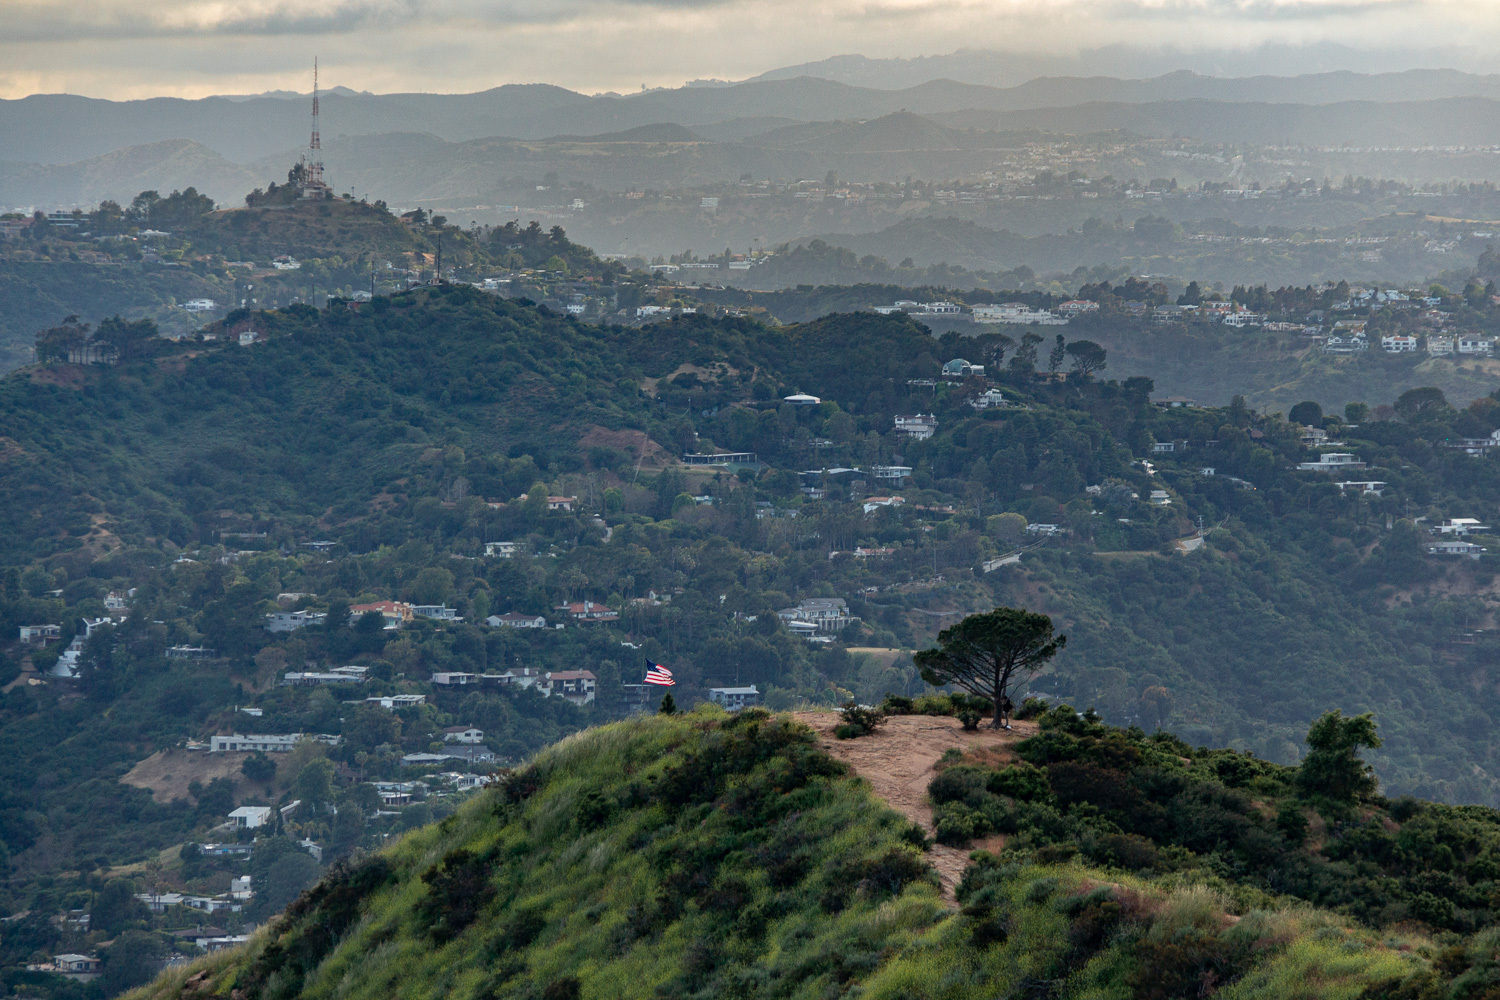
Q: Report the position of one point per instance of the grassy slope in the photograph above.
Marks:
(705, 856)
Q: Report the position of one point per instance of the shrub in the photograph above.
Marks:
(859, 720)
(1031, 708)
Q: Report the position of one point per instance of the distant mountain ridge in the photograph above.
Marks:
(63, 128)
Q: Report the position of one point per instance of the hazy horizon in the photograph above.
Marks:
(195, 48)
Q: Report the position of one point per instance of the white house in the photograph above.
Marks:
(514, 619)
(801, 399)
(463, 734)
(1473, 345)
(919, 425)
(1458, 526)
(439, 612)
(290, 621)
(734, 698)
(500, 550)
(261, 742)
(1398, 344)
(1440, 346)
(1333, 461)
(1455, 548)
(827, 614)
(248, 337)
(200, 305)
(987, 399)
(251, 817)
(391, 702)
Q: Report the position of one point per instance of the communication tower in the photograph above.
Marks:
(313, 185)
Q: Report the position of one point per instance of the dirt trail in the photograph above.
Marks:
(898, 761)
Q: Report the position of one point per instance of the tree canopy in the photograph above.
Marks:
(985, 653)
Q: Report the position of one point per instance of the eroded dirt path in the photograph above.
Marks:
(899, 758)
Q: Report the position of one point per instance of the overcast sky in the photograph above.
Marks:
(191, 48)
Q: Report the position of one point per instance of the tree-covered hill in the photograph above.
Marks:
(373, 452)
(715, 856)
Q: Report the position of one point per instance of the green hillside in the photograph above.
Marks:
(382, 451)
(709, 856)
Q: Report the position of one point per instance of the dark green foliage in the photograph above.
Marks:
(984, 654)
(258, 768)
(858, 720)
(1333, 768)
(458, 889)
(668, 705)
(1151, 804)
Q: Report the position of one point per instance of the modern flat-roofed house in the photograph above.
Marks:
(500, 550)
(39, 635)
(463, 734)
(721, 458)
(1333, 461)
(391, 702)
(253, 742)
(734, 698)
(827, 614)
(251, 817)
(290, 621)
(1455, 548)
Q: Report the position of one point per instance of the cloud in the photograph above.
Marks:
(198, 47)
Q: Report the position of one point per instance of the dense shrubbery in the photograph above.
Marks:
(712, 857)
(1153, 804)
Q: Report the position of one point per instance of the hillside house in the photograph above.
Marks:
(437, 612)
(588, 611)
(961, 368)
(463, 734)
(890, 473)
(725, 458)
(919, 426)
(290, 621)
(1455, 548)
(514, 619)
(577, 686)
(40, 635)
(392, 702)
(76, 965)
(254, 742)
(454, 678)
(872, 504)
(251, 817)
(1397, 344)
(1441, 346)
(1475, 345)
(987, 399)
(1458, 526)
(732, 699)
(1368, 487)
(500, 550)
(1333, 461)
(317, 678)
(827, 614)
(802, 399)
(395, 613)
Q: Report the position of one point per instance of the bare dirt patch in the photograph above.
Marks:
(899, 760)
(648, 385)
(167, 774)
(637, 444)
(65, 376)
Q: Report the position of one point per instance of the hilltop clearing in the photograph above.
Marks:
(900, 759)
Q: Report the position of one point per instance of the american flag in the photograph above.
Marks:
(658, 674)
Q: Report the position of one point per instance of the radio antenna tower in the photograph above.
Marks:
(313, 185)
(315, 148)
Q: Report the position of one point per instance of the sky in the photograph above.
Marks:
(122, 49)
